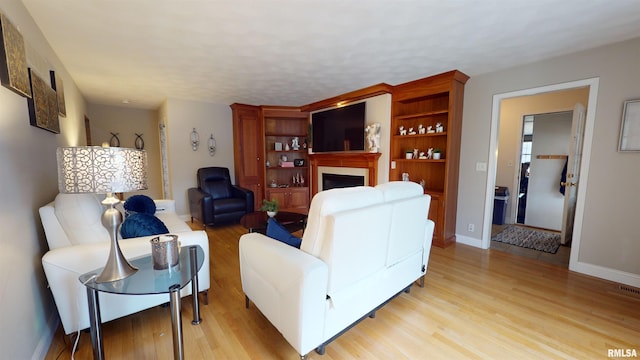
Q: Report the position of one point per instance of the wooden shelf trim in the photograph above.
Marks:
(286, 168)
(349, 97)
(423, 114)
(444, 133)
(421, 160)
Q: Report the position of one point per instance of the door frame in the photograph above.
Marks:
(593, 84)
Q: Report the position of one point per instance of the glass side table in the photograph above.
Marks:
(148, 281)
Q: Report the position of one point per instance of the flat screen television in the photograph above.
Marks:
(339, 129)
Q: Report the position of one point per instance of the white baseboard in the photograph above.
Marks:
(468, 241)
(40, 352)
(606, 273)
(601, 272)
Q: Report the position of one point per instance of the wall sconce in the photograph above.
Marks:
(195, 139)
(212, 145)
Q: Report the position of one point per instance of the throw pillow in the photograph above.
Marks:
(136, 225)
(276, 231)
(141, 204)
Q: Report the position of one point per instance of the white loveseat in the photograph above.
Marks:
(361, 247)
(79, 243)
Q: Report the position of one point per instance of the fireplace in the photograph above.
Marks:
(363, 165)
(332, 181)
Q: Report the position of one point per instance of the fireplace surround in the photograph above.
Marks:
(344, 163)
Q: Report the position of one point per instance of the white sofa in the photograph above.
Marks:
(361, 247)
(79, 243)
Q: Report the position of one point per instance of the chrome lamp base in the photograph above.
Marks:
(117, 267)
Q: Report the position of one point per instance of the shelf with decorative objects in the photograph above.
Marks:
(426, 124)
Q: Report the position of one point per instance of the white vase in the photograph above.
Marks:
(272, 213)
(436, 156)
(409, 155)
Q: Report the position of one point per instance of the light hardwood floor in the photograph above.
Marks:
(476, 304)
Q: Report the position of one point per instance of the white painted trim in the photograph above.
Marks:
(592, 83)
(589, 125)
(607, 273)
(467, 240)
(41, 350)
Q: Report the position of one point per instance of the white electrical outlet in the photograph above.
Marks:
(471, 227)
(393, 164)
(481, 166)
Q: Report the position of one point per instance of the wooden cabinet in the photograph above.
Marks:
(248, 150)
(281, 126)
(263, 149)
(294, 199)
(430, 103)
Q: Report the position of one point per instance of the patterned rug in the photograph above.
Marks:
(529, 238)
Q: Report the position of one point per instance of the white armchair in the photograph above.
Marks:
(79, 243)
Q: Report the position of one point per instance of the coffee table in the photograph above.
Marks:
(148, 281)
(257, 221)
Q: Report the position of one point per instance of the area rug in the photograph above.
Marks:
(529, 238)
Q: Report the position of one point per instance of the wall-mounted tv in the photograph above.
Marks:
(339, 129)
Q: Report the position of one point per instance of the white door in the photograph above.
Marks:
(573, 172)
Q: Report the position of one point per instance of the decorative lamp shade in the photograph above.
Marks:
(101, 170)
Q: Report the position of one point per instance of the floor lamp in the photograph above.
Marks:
(104, 170)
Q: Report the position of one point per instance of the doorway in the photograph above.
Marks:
(538, 196)
(513, 144)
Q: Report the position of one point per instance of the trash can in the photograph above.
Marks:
(501, 196)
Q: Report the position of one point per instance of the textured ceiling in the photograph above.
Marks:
(294, 52)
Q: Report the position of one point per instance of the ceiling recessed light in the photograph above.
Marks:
(125, 101)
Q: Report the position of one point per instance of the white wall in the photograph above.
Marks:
(180, 117)
(608, 244)
(126, 122)
(379, 111)
(551, 133)
(28, 316)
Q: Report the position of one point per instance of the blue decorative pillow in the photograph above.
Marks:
(140, 204)
(277, 231)
(136, 225)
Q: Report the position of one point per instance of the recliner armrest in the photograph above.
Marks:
(247, 194)
(200, 205)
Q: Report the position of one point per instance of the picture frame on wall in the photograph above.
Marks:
(13, 59)
(630, 126)
(43, 104)
(56, 84)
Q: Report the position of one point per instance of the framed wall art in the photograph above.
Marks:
(56, 84)
(630, 127)
(43, 105)
(13, 59)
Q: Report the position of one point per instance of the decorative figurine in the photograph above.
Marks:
(430, 153)
(286, 147)
(295, 143)
(422, 155)
(403, 131)
(415, 153)
(439, 128)
(411, 131)
(373, 137)
(421, 129)
(430, 129)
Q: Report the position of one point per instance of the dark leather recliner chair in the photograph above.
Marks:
(216, 200)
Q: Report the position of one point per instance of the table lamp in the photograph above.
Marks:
(104, 170)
